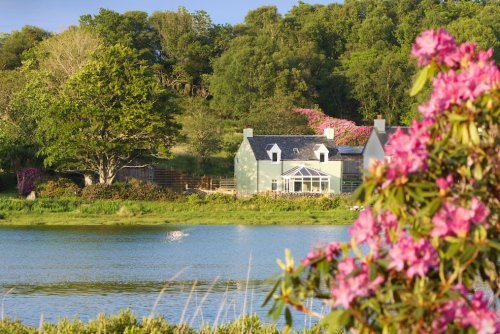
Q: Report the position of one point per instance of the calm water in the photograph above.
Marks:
(67, 271)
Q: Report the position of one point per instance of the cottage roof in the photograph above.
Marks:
(383, 137)
(350, 150)
(304, 145)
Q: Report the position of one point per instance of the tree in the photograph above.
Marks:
(107, 114)
(13, 45)
(17, 121)
(65, 54)
(202, 128)
(131, 29)
(188, 42)
(274, 116)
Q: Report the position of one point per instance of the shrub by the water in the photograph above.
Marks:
(57, 187)
(431, 221)
(26, 179)
(132, 189)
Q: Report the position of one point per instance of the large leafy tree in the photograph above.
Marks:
(64, 54)
(189, 41)
(107, 115)
(131, 28)
(13, 45)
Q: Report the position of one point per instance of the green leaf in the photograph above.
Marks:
(372, 271)
(335, 320)
(477, 172)
(271, 293)
(420, 81)
(474, 135)
(288, 317)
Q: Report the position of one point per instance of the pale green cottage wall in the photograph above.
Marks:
(245, 169)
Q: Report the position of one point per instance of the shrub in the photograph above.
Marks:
(26, 179)
(132, 189)
(431, 221)
(57, 187)
(2, 215)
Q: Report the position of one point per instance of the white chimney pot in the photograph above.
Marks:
(247, 132)
(329, 133)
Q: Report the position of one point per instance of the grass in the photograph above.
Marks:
(75, 211)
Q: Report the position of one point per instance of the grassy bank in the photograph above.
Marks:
(193, 210)
(126, 322)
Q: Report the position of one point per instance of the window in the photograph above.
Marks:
(296, 150)
(322, 157)
(275, 156)
(274, 185)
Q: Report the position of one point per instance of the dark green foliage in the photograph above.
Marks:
(57, 187)
(15, 44)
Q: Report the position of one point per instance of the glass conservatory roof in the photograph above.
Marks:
(301, 171)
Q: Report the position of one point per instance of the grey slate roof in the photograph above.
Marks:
(306, 146)
(350, 150)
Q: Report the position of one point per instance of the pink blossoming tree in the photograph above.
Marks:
(346, 132)
(430, 228)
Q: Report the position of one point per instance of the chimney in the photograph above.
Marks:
(247, 132)
(379, 124)
(329, 133)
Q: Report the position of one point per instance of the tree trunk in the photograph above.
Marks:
(108, 169)
(88, 179)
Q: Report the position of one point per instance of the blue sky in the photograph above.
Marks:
(56, 15)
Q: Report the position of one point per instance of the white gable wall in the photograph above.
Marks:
(373, 150)
(245, 169)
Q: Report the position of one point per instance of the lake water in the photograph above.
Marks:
(85, 270)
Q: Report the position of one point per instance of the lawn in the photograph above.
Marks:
(75, 211)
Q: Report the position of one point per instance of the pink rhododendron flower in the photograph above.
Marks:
(346, 132)
(407, 153)
(365, 227)
(311, 256)
(332, 249)
(444, 183)
(387, 221)
(416, 256)
(437, 45)
(474, 313)
(348, 287)
(453, 219)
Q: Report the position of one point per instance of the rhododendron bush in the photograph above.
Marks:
(429, 231)
(346, 132)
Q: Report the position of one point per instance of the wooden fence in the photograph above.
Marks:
(175, 180)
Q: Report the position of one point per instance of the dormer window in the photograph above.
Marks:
(321, 153)
(296, 150)
(274, 153)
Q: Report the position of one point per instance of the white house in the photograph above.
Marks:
(294, 163)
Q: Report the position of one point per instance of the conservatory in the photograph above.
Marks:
(303, 179)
